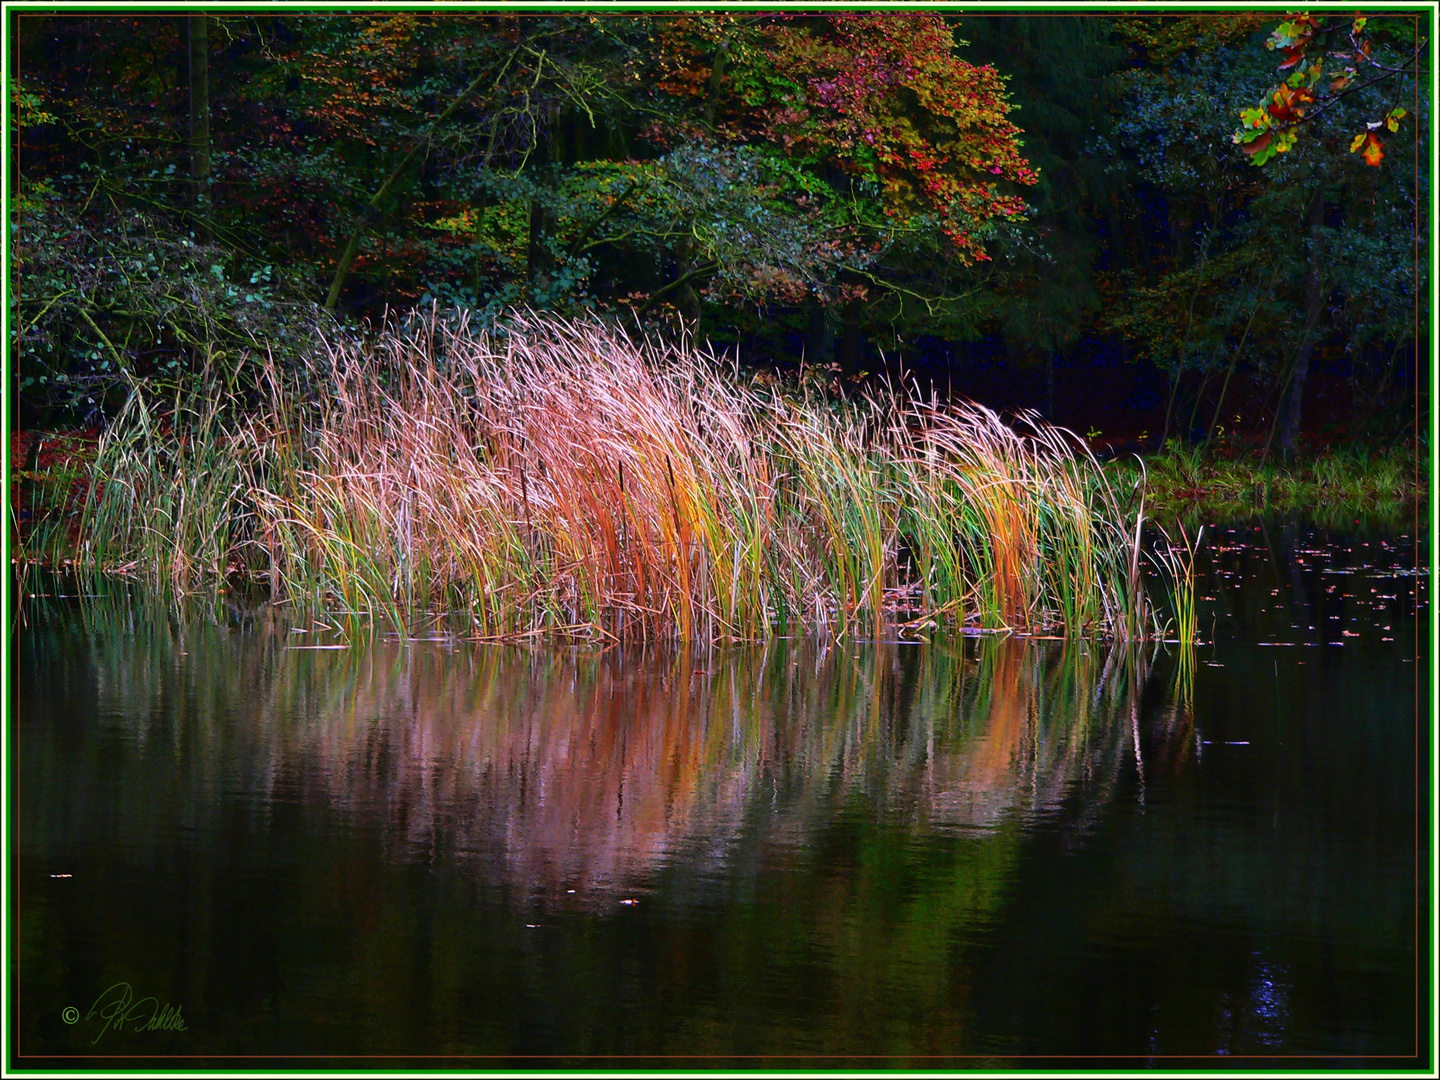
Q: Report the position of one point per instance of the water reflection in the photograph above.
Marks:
(588, 774)
(566, 771)
(987, 847)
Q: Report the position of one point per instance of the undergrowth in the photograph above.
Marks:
(1335, 487)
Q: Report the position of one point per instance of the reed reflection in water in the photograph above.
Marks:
(567, 770)
(975, 846)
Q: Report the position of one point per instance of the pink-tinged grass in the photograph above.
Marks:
(556, 477)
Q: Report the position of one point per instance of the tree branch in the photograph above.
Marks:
(683, 280)
(119, 361)
(621, 199)
(1386, 73)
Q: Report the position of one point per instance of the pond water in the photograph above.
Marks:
(973, 851)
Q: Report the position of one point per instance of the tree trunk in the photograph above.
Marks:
(1118, 236)
(479, 200)
(683, 280)
(1229, 371)
(1314, 305)
(539, 259)
(199, 73)
(540, 262)
(687, 300)
(819, 336)
(1169, 409)
(1363, 406)
(712, 91)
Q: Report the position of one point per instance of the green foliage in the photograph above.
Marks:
(1046, 293)
(1229, 288)
(101, 296)
(1188, 485)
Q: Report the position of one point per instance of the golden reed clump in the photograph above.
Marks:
(555, 477)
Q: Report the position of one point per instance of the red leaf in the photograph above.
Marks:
(1373, 151)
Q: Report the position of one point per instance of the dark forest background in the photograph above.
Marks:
(1043, 211)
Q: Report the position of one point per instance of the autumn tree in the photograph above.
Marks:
(898, 143)
(1342, 71)
(848, 180)
(1325, 60)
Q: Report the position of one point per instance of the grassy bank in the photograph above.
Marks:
(558, 478)
(1336, 487)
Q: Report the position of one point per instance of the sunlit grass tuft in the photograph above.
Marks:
(551, 477)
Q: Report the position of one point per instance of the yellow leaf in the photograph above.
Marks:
(1355, 143)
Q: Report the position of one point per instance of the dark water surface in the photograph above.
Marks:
(969, 852)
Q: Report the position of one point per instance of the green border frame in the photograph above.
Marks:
(642, 7)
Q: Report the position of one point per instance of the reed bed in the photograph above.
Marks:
(549, 477)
